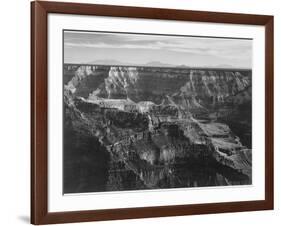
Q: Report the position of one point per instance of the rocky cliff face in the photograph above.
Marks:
(206, 86)
(158, 127)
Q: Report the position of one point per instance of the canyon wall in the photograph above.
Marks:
(208, 86)
(157, 127)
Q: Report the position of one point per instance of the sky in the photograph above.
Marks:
(101, 47)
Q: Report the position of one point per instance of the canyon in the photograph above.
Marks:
(137, 128)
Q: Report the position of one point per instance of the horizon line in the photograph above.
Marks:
(174, 67)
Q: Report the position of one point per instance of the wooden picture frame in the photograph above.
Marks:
(39, 112)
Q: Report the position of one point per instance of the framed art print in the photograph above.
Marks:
(146, 112)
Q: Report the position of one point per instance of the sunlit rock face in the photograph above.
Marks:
(152, 128)
(191, 87)
(121, 82)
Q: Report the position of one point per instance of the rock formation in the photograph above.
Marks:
(149, 127)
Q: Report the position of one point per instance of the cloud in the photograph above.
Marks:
(213, 47)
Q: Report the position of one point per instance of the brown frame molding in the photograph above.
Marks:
(39, 107)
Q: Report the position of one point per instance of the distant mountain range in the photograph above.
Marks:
(107, 62)
(154, 64)
(148, 64)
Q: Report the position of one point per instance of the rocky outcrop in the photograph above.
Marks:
(86, 79)
(121, 82)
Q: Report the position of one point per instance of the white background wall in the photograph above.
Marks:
(15, 113)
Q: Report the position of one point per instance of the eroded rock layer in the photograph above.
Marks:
(129, 128)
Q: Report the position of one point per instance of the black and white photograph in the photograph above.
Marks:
(155, 111)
